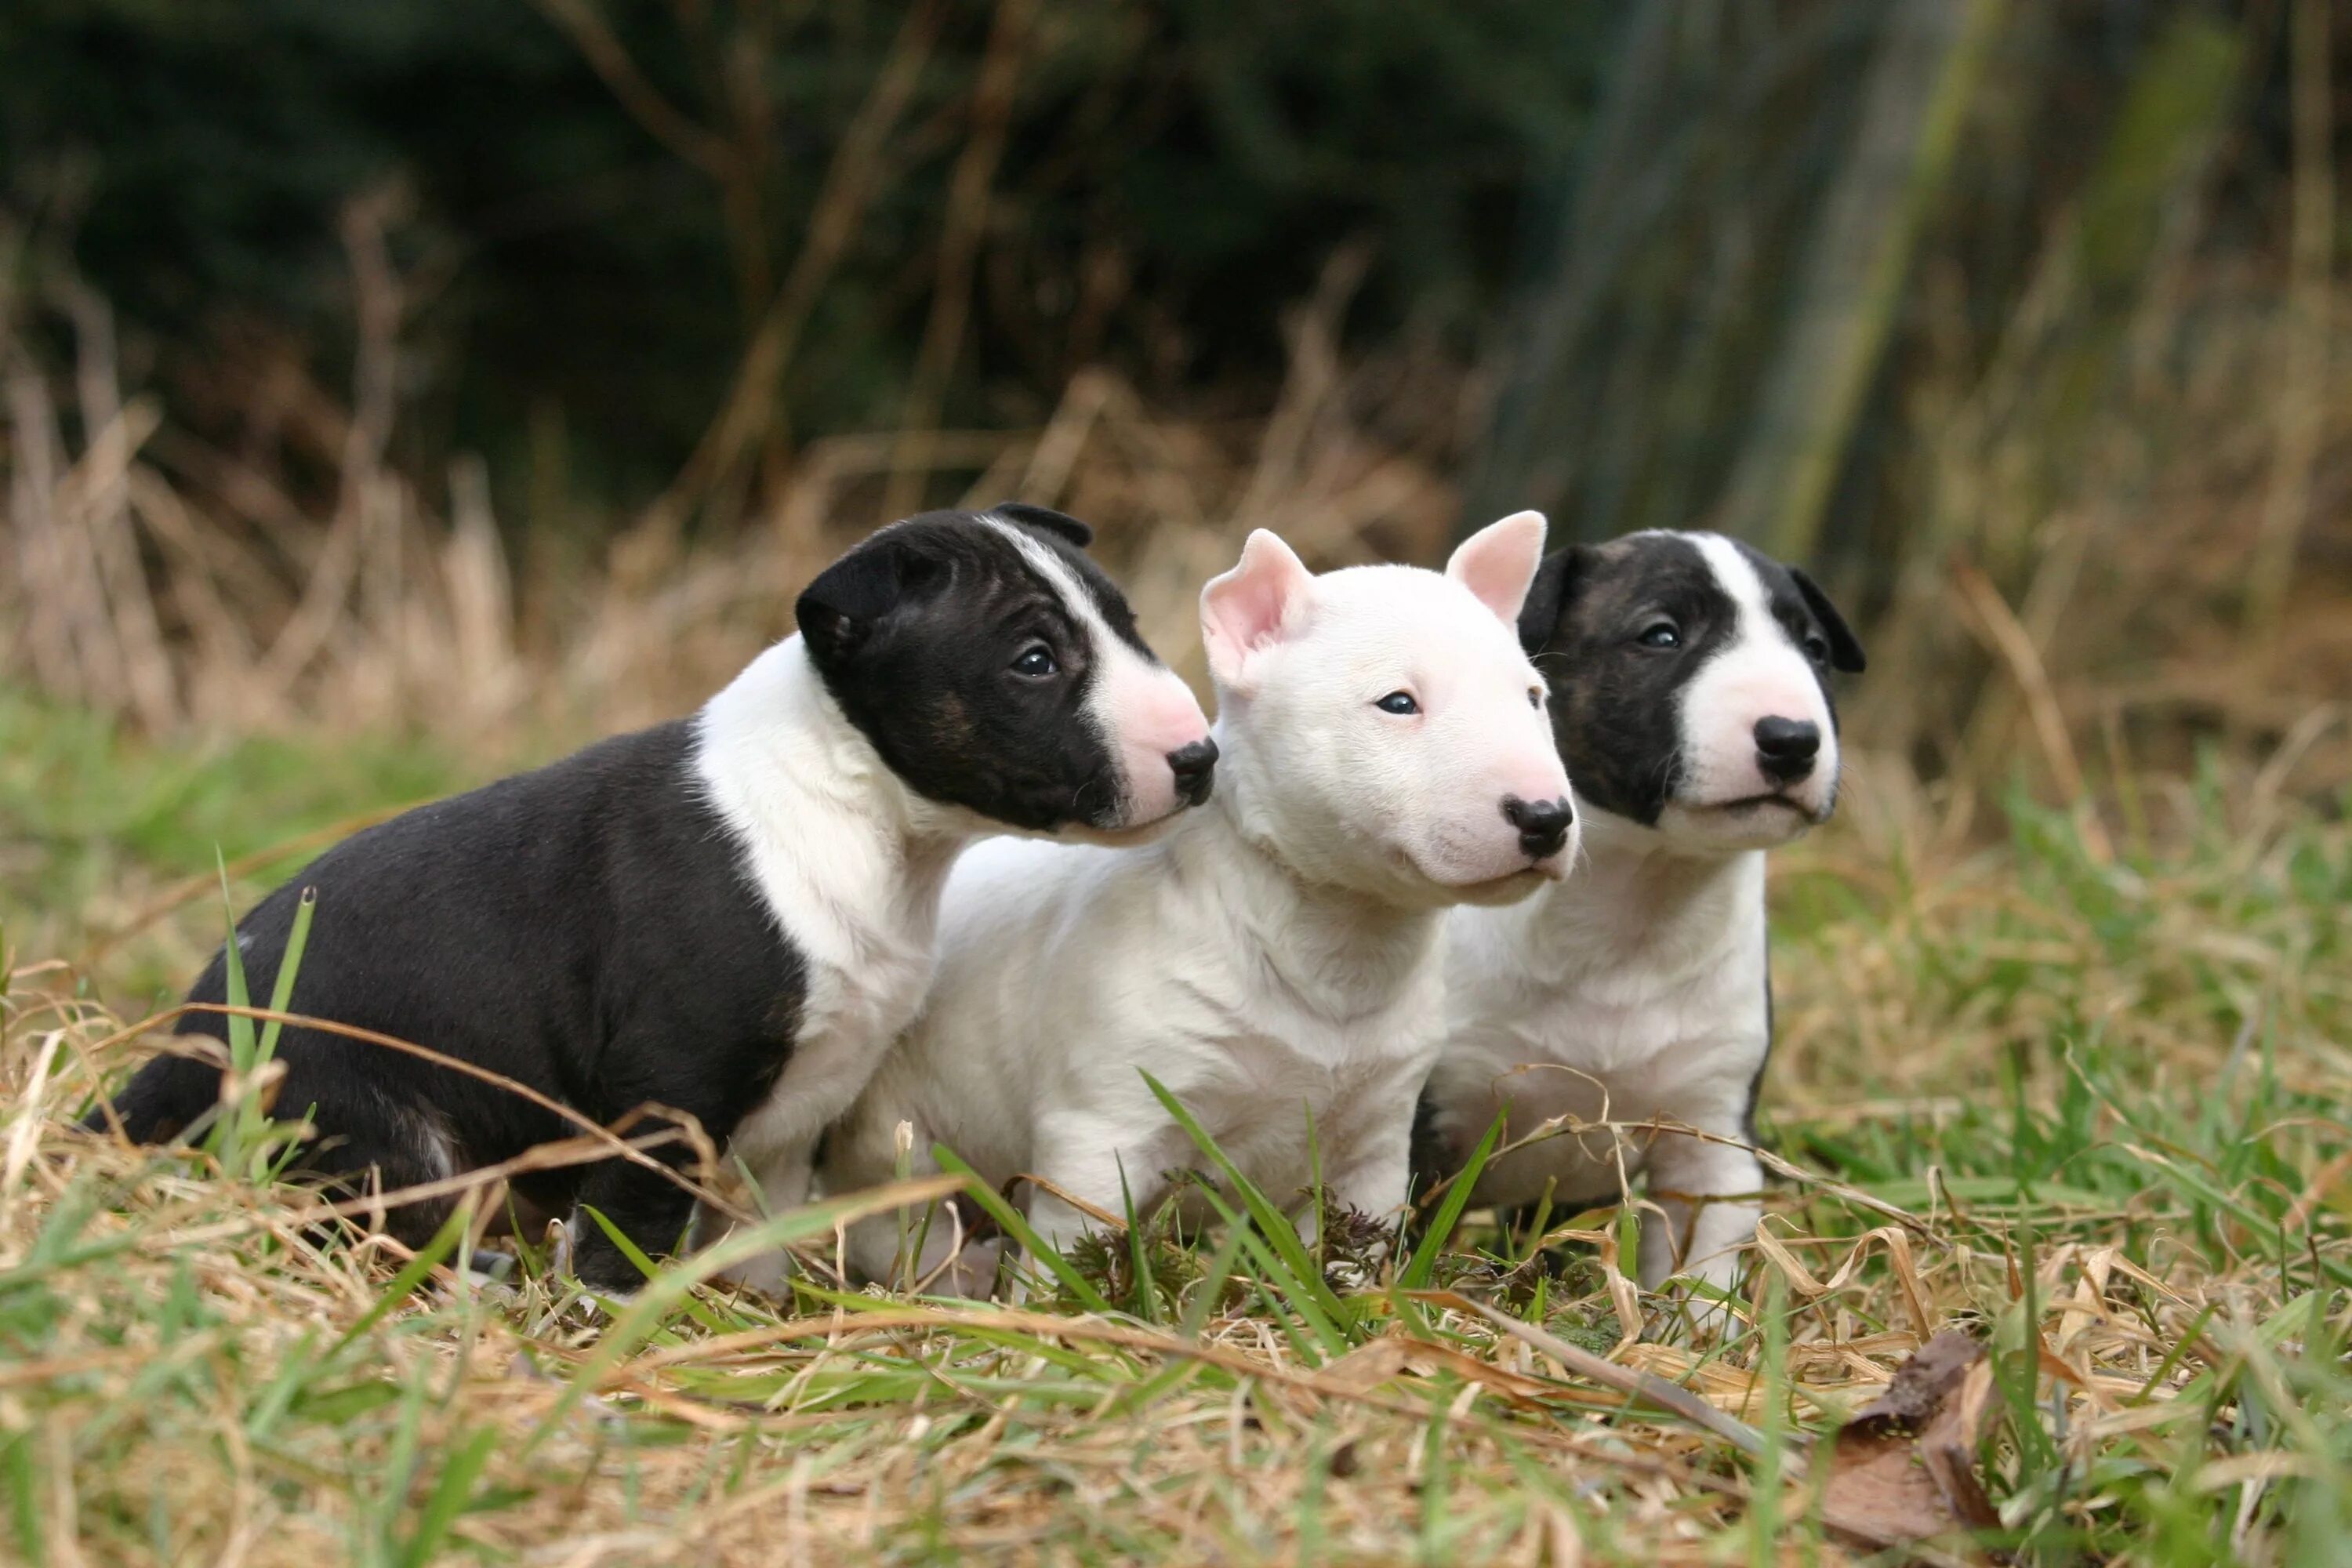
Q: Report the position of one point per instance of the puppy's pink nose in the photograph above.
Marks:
(1163, 716)
(1163, 738)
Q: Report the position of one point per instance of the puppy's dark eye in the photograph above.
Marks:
(1036, 661)
(1398, 702)
(1817, 648)
(1661, 634)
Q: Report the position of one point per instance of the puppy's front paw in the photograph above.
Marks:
(970, 1273)
(606, 1274)
(1349, 1275)
(492, 1274)
(771, 1273)
(559, 1251)
(1702, 1303)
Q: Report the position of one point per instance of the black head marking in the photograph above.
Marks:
(929, 636)
(854, 594)
(1046, 518)
(1067, 538)
(1555, 581)
(1619, 629)
(1806, 614)
(1634, 621)
(1846, 648)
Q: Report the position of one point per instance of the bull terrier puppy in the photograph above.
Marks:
(1690, 697)
(730, 915)
(1277, 958)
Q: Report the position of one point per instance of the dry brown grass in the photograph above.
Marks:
(2070, 1079)
(2160, 1189)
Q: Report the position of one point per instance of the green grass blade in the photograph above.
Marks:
(1018, 1339)
(644, 1316)
(1303, 1281)
(1212, 1287)
(1275, 1274)
(18, 1478)
(443, 1242)
(645, 1266)
(282, 992)
(1424, 1262)
(1017, 1226)
(1146, 1301)
(448, 1497)
(240, 1028)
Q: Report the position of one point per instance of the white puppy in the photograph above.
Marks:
(1691, 699)
(1277, 957)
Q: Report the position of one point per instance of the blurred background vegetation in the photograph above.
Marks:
(487, 371)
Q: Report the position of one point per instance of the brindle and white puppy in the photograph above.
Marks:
(1690, 695)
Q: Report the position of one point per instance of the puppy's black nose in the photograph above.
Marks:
(1785, 748)
(1195, 767)
(1543, 825)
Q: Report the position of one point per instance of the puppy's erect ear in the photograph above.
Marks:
(1252, 606)
(1046, 517)
(1549, 594)
(1497, 563)
(1846, 648)
(849, 598)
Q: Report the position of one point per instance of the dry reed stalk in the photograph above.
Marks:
(2305, 324)
(252, 613)
(363, 501)
(961, 231)
(104, 497)
(850, 183)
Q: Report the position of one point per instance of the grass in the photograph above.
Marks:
(2086, 1104)
(100, 836)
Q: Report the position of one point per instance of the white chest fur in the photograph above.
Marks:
(851, 865)
(1067, 973)
(1637, 990)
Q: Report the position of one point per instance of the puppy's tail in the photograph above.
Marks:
(161, 1100)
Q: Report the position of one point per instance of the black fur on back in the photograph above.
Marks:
(586, 930)
(592, 929)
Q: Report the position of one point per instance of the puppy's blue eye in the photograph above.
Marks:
(1661, 634)
(1535, 696)
(1036, 659)
(1398, 702)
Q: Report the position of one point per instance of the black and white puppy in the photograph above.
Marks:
(730, 915)
(1690, 697)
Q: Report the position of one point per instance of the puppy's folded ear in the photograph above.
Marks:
(1046, 517)
(1497, 563)
(838, 610)
(1846, 648)
(1252, 606)
(1549, 594)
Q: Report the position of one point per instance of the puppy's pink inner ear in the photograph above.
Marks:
(1498, 562)
(1246, 610)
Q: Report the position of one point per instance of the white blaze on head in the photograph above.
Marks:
(1723, 795)
(1406, 806)
(1142, 711)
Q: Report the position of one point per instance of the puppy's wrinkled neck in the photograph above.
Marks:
(1348, 952)
(1636, 892)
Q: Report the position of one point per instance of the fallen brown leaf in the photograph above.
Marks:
(1903, 1471)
